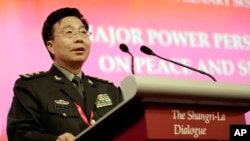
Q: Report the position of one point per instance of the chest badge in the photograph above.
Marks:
(103, 100)
(62, 102)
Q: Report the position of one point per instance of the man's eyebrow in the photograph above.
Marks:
(70, 26)
(67, 26)
(82, 26)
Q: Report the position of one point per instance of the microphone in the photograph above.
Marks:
(148, 51)
(124, 48)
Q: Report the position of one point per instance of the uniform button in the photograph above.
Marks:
(92, 122)
(64, 114)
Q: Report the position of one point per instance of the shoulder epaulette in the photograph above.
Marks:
(33, 75)
(100, 79)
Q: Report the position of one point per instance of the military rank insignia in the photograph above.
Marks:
(103, 100)
(57, 78)
(33, 75)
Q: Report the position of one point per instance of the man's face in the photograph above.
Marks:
(70, 44)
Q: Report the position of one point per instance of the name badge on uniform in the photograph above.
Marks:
(62, 104)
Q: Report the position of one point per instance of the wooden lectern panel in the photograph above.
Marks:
(191, 122)
(167, 122)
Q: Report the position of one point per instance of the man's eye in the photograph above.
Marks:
(68, 32)
(83, 32)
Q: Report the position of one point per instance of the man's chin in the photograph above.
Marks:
(78, 61)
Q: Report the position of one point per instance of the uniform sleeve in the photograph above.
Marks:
(23, 122)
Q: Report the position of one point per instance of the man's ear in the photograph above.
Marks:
(50, 47)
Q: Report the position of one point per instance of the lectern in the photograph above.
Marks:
(157, 108)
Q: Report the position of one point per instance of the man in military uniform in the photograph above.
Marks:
(54, 105)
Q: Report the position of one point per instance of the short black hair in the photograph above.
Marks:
(57, 15)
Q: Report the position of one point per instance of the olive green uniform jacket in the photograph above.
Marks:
(43, 105)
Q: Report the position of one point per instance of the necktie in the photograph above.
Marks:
(79, 86)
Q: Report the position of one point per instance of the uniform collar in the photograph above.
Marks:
(68, 74)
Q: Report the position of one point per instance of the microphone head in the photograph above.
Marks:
(147, 50)
(124, 47)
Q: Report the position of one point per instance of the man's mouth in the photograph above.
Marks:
(78, 49)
